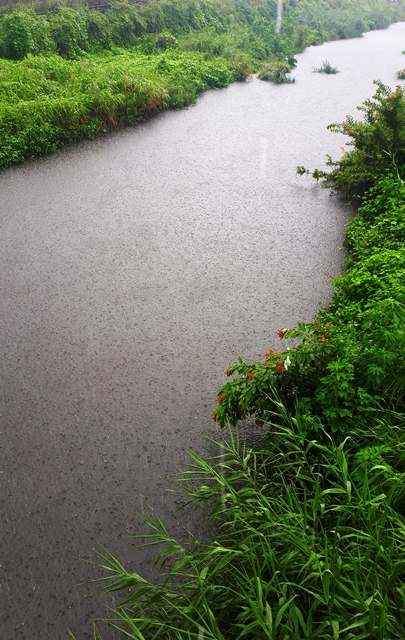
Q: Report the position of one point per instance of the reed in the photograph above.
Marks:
(309, 542)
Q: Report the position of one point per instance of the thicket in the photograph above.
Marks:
(309, 531)
(276, 72)
(249, 25)
(74, 72)
(46, 101)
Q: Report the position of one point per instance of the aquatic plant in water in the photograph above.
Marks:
(326, 67)
(276, 72)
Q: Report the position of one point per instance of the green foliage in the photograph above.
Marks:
(69, 32)
(247, 26)
(235, 37)
(309, 543)
(378, 143)
(326, 67)
(276, 72)
(24, 33)
(46, 102)
(16, 38)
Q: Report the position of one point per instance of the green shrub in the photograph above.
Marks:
(276, 72)
(326, 67)
(378, 143)
(48, 101)
(69, 31)
(17, 39)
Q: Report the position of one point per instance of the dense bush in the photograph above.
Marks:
(276, 72)
(378, 143)
(46, 102)
(250, 26)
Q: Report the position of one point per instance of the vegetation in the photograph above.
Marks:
(276, 72)
(326, 67)
(47, 101)
(74, 72)
(309, 543)
(309, 531)
(401, 74)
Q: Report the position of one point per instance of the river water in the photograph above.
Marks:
(133, 270)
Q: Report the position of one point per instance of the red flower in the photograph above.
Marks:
(323, 338)
(227, 372)
(221, 398)
(281, 333)
(269, 353)
(214, 416)
(279, 367)
(251, 375)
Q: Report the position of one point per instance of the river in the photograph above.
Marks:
(133, 270)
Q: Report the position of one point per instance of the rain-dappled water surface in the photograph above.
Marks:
(133, 270)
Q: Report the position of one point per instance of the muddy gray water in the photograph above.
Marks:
(133, 270)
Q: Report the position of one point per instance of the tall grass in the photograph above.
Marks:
(46, 101)
(309, 542)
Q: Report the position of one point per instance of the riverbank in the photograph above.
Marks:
(119, 262)
(309, 538)
(74, 72)
(46, 101)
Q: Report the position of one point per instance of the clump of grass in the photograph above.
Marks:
(326, 67)
(276, 72)
(309, 543)
(401, 74)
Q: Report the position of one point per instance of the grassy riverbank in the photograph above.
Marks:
(47, 101)
(309, 532)
(74, 72)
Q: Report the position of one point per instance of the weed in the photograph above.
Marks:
(276, 72)
(326, 67)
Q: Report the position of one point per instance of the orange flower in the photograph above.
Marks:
(279, 367)
(269, 353)
(221, 398)
(323, 338)
(251, 375)
(214, 416)
(281, 333)
(227, 373)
